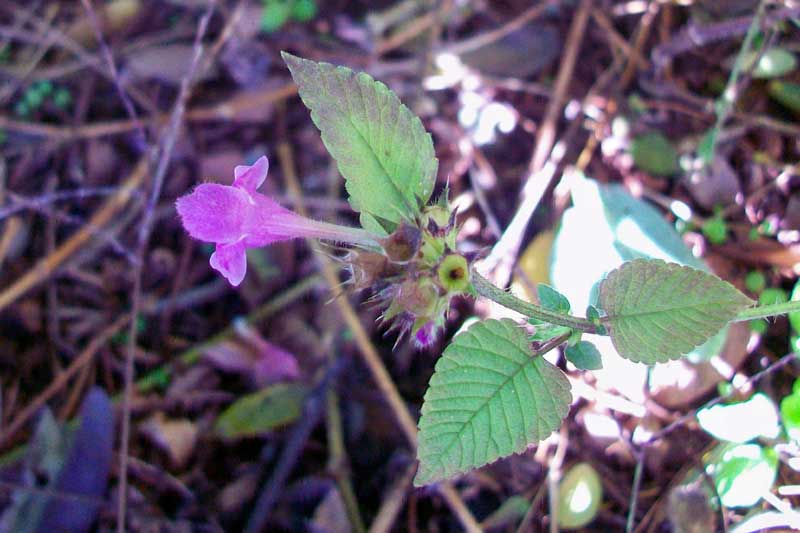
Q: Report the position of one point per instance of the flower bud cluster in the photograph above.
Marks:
(416, 274)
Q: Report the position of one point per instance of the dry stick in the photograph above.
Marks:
(224, 111)
(491, 36)
(367, 350)
(338, 460)
(47, 266)
(112, 67)
(504, 252)
(143, 238)
(61, 379)
(554, 476)
(393, 502)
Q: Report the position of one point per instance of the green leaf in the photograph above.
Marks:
(620, 228)
(380, 147)
(794, 318)
(790, 413)
(774, 63)
(487, 399)
(653, 153)
(544, 332)
(584, 355)
(551, 299)
(742, 421)
(657, 311)
(262, 411)
(786, 93)
(743, 473)
(580, 494)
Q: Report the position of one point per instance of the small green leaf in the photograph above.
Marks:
(785, 93)
(755, 281)
(742, 421)
(381, 148)
(657, 311)
(509, 512)
(584, 355)
(275, 15)
(743, 473)
(267, 409)
(716, 230)
(653, 153)
(488, 398)
(544, 332)
(580, 494)
(773, 63)
(794, 318)
(790, 413)
(772, 296)
(551, 299)
(304, 10)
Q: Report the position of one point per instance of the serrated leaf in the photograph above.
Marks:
(657, 311)
(551, 299)
(488, 398)
(620, 228)
(584, 355)
(381, 148)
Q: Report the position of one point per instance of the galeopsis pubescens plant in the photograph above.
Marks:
(492, 394)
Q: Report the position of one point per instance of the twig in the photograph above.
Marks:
(312, 412)
(21, 203)
(637, 481)
(61, 379)
(338, 462)
(224, 111)
(780, 363)
(112, 67)
(725, 103)
(554, 476)
(491, 36)
(393, 502)
(505, 250)
(47, 266)
(143, 238)
(694, 36)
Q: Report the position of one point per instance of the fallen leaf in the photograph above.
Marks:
(176, 437)
(253, 357)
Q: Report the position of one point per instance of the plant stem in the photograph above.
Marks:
(764, 311)
(726, 100)
(485, 288)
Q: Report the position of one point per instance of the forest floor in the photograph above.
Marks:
(282, 404)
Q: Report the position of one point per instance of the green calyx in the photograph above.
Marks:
(453, 273)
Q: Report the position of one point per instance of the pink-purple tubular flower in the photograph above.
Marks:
(236, 217)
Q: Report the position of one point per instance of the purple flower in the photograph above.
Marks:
(236, 217)
(427, 335)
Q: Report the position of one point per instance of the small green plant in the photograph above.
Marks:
(40, 93)
(492, 393)
(278, 12)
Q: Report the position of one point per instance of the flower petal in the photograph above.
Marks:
(251, 177)
(214, 213)
(230, 260)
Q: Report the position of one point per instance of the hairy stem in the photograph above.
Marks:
(764, 311)
(485, 288)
